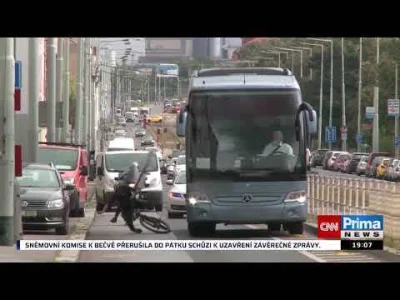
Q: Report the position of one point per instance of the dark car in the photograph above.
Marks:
(351, 167)
(148, 141)
(326, 159)
(371, 157)
(140, 133)
(317, 157)
(44, 197)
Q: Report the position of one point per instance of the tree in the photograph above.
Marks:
(389, 55)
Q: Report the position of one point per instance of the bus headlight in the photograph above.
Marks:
(296, 196)
(198, 198)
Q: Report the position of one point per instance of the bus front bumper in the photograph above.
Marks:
(229, 214)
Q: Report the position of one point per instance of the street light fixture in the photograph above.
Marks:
(301, 58)
(310, 56)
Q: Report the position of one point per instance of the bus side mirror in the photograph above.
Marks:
(181, 114)
(311, 124)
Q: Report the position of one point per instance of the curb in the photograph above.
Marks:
(79, 232)
(311, 227)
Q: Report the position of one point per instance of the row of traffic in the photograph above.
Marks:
(378, 165)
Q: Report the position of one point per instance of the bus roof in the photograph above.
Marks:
(244, 78)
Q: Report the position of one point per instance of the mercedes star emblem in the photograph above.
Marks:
(24, 204)
(246, 198)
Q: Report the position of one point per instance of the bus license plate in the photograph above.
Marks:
(29, 213)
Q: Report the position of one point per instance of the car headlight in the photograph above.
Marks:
(131, 185)
(69, 180)
(296, 196)
(57, 203)
(154, 182)
(198, 198)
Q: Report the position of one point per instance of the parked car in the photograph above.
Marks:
(317, 157)
(360, 170)
(391, 170)
(45, 198)
(351, 167)
(72, 161)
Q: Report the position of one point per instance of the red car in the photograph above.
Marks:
(72, 162)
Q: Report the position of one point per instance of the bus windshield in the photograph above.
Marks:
(250, 134)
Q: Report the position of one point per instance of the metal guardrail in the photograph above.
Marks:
(337, 195)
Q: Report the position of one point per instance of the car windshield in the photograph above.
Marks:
(119, 162)
(63, 159)
(38, 178)
(255, 137)
(181, 178)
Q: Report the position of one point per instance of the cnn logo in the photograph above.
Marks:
(329, 227)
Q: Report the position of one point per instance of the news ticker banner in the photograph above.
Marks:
(195, 245)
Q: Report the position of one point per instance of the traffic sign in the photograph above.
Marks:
(397, 142)
(330, 134)
(393, 107)
(18, 74)
(359, 138)
(369, 112)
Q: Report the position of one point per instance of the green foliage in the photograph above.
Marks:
(389, 54)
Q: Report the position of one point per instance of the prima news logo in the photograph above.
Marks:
(350, 227)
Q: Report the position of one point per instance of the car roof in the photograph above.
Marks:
(75, 148)
(38, 166)
(127, 151)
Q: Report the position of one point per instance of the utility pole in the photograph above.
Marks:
(79, 93)
(155, 87)
(86, 92)
(359, 95)
(59, 83)
(321, 96)
(51, 89)
(34, 94)
(7, 151)
(375, 137)
(344, 137)
(95, 106)
(396, 96)
(148, 88)
(65, 111)
(331, 93)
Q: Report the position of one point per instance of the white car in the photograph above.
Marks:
(176, 204)
(156, 150)
(120, 133)
(111, 164)
(180, 164)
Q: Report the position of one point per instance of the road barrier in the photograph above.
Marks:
(336, 195)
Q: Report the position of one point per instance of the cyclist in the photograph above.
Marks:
(122, 196)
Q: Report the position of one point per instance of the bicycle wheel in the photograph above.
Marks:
(154, 224)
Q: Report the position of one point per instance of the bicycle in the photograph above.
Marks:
(156, 225)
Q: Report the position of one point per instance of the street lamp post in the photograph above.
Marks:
(331, 87)
(321, 93)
